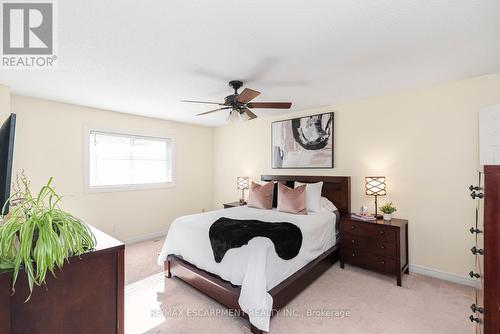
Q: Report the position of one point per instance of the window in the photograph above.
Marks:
(122, 161)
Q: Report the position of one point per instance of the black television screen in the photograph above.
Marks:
(7, 132)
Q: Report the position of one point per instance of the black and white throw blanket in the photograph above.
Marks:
(226, 233)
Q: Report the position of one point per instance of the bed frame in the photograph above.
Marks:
(336, 188)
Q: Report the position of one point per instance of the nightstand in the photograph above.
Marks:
(233, 204)
(378, 245)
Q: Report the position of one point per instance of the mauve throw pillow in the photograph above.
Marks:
(292, 200)
(261, 196)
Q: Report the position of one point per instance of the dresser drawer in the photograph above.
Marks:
(370, 261)
(379, 247)
(375, 231)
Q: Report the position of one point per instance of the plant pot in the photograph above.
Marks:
(387, 216)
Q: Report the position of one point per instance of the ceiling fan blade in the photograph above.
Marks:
(211, 111)
(270, 105)
(247, 95)
(250, 114)
(190, 101)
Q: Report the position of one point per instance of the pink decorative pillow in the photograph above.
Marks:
(292, 200)
(261, 196)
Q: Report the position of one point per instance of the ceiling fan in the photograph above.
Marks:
(240, 104)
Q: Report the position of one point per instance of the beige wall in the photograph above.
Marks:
(425, 141)
(4, 101)
(49, 142)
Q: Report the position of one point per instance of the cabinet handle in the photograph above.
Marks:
(475, 251)
(475, 230)
(382, 262)
(473, 274)
(382, 232)
(353, 255)
(353, 227)
(475, 309)
(474, 195)
(382, 247)
(472, 319)
(471, 188)
(352, 241)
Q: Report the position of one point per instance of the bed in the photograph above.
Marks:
(235, 282)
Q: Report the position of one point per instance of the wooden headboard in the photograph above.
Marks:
(336, 188)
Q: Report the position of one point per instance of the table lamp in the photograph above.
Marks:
(242, 184)
(375, 186)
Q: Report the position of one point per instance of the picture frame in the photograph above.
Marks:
(303, 143)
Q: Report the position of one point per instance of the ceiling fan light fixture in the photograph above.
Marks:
(240, 104)
(234, 116)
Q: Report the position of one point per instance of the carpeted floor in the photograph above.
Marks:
(341, 301)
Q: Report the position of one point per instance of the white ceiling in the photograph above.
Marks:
(142, 57)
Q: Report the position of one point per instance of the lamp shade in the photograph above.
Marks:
(234, 116)
(242, 182)
(375, 186)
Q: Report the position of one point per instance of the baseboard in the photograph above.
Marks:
(145, 237)
(464, 280)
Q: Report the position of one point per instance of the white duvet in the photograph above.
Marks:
(256, 267)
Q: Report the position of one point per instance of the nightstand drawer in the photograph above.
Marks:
(375, 231)
(370, 261)
(379, 247)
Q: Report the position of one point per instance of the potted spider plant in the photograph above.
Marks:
(388, 209)
(38, 236)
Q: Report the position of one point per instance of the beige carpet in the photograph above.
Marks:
(154, 304)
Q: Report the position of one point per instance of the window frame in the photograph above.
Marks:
(123, 187)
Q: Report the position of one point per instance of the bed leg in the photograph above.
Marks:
(166, 267)
(255, 330)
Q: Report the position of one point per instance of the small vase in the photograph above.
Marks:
(387, 216)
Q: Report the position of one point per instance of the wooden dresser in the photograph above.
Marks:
(86, 296)
(379, 245)
(486, 308)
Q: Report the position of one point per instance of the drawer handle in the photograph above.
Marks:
(353, 255)
(471, 188)
(475, 309)
(352, 241)
(382, 232)
(475, 230)
(353, 227)
(473, 274)
(478, 195)
(472, 319)
(382, 262)
(382, 247)
(475, 251)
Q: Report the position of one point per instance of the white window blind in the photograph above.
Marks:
(124, 160)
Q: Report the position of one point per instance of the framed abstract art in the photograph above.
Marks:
(304, 142)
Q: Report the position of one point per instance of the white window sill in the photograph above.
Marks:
(129, 187)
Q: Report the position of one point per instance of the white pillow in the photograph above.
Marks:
(313, 195)
(327, 205)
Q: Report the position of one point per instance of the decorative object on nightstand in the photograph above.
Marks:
(242, 184)
(388, 209)
(233, 205)
(375, 186)
(375, 245)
